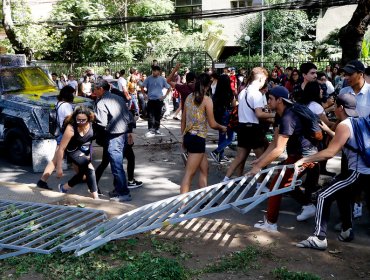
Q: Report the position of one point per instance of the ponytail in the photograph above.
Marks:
(201, 87)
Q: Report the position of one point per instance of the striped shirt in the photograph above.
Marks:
(112, 113)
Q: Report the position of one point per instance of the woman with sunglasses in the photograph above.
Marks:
(76, 144)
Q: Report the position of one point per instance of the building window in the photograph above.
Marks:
(188, 6)
(183, 3)
(237, 4)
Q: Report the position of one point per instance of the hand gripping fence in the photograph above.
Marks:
(239, 194)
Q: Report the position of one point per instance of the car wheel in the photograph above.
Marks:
(18, 147)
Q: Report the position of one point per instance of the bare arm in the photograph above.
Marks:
(183, 119)
(67, 135)
(174, 70)
(262, 115)
(342, 133)
(270, 154)
(326, 121)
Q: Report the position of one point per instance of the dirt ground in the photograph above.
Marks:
(160, 167)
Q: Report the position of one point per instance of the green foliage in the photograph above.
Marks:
(365, 49)
(327, 47)
(147, 267)
(39, 38)
(286, 33)
(243, 260)
(284, 274)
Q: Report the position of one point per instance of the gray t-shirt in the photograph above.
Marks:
(155, 86)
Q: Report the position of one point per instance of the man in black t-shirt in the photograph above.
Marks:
(288, 133)
(309, 73)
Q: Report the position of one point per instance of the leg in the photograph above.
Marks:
(241, 156)
(157, 114)
(192, 165)
(150, 110)
(130, 157)
(203, 175)
(91, 181)
(103, 164)
(116, 150)
(328, 196)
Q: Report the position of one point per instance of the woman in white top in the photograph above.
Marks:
(311, 97)
(86, 86)
(63, 109)
(250, 110)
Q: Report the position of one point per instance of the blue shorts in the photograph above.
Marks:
(194, 143)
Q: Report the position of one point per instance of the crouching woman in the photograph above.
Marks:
(76, 143)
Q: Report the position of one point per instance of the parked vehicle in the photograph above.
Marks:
(27, 109)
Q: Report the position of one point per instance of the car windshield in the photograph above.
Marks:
(24, 79)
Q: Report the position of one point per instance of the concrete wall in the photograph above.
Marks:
(333, 18)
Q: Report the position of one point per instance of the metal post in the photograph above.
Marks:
(262, 39)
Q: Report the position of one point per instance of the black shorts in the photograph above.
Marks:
(194, 144)
(251, 136)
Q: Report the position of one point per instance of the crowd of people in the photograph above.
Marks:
(244, 106)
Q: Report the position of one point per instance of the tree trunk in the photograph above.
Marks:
(352, 34)
(8, 25)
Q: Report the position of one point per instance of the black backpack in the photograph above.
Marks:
(310, 122)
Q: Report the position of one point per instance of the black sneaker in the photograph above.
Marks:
(112, 193)
(134, 184)
(43, 185)
(346, 236)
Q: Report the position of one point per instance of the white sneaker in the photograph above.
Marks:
(158, 133)
(357, 210)
(308, 211)
(313, 242)
(266, 226)
(149, 134)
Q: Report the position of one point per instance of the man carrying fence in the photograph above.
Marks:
(290, 132)
(346, 183)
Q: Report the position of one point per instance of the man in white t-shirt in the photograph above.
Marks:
(122, 84)
(72, 82)
(250, 110)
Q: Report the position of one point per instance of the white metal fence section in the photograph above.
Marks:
(239, 194)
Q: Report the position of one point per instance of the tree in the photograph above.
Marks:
(352, 34)
(26, 38)
(286, 33)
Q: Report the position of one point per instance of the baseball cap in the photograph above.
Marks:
(354, 66)
(281, 92)
(348, 101)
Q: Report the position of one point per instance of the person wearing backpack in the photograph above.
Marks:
(63, 108)
(354, 72)
(294, 134)
(346, 184)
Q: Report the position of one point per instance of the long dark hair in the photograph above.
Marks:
(201, 88)
(66, 94)
(223, 93)
(71, 119)
(311, 93)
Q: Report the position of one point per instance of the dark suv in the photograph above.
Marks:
(27, 114)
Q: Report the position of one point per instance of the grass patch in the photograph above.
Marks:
(237, 261)
(284, 274)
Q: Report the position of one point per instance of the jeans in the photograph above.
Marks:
(224, 140)
(128, 154)
(135, 101)
(116, 147)
(154, 114)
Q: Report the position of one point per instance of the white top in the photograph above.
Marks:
(316, 108)
(355, 161)
(213, 88)
(122, 84)
(73, 84)
(329, 87)
(64, 109)
(362, 99)
(255, 100)
(105, 77)
(86, 88)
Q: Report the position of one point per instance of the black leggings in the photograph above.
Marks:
(128, 154)
(82, 161)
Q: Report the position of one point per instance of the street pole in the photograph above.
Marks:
(262, 35)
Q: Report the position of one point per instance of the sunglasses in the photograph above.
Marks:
(81, 121)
